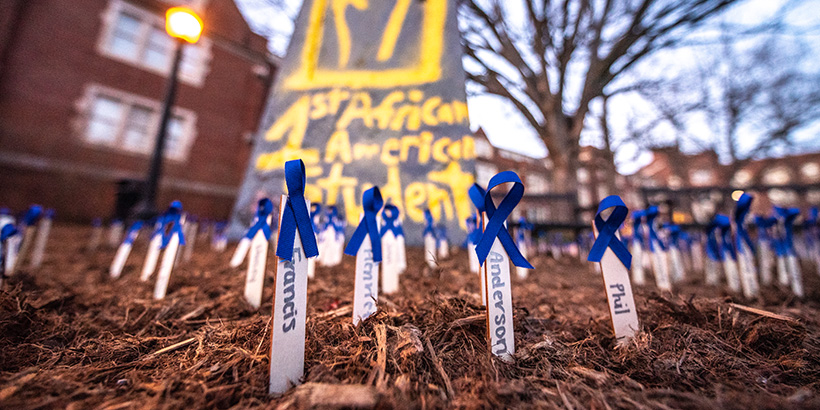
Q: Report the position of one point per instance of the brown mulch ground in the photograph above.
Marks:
(72, 338)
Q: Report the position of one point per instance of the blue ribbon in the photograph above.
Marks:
(674, 235)
(173, 217)
(316, 215)
(477, 194)
(371, 203)
(133, 231)
(428, 224)
(473, 231)
(441, 233)
(523, 227)
(7, 231)
(788, 215)
(295, 215)
(607, 229)
(334, 220)
(390, 219)
(637, 235)
(744, 203)
(726, 245)
(712, 246)
(34, 213)
(651, 214)
(763, 225)
(495, 225)
(263, 208)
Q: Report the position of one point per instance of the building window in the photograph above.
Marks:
(584, 197)
(137, 37)
(701, 177)
(537, 184)
(129, 122)
(742, 178)
(583, 175)
(777, 176)
(811, 171)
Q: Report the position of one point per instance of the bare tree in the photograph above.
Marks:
(744, 102)
(550, 59)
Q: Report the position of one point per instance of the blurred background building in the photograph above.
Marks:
(81, 85)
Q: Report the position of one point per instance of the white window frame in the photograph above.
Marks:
(147, 21)
(92, 91)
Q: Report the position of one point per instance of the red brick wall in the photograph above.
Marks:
(49, 63)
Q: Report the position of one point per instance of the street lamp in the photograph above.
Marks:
(183, 25)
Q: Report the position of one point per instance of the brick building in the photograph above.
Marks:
(81, 85)
(545, 204)
(694, 187)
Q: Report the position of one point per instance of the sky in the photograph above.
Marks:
(507, 129)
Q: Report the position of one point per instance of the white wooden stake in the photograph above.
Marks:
(287, 354)
(190, 241)
(402, 253)
(12, 249)
(712, 272)
(152, 257)
(748, 273)
(168, 259)
(257, 266)
(519, 271)
(766, 260)
(43, 230)
(622, 309)
(660, 265)
(795, 275)
(366, 291)
(638, 275)
(430, 250)
(499, 302)
(115, 234)
(676, 264)
(732, 276)
(241, 252)
(122, 254)
(390, 263)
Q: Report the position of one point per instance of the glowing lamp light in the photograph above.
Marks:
(183, 23)
(736, 195)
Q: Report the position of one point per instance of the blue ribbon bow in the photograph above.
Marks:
(295, 215)
(763, 225)
(316, 217)
(726, 244)
(637, 235)
(788, 215)
(133, 231)
(7, 231)
(428, 224)
(495, 225)
(477, 194)
(173, 217)
(334, 220)
(371, 203)
(651, 214)
(744, 203)
(390, 218)
(607, 229)
(34, 213)
(674, 235)
(712, 247)
(473, 231)
(263, 208)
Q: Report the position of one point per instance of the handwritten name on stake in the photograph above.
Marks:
(615, 262)
(366, 245)
(496, 249)
(296, 243)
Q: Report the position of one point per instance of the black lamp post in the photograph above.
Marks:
(184, 26)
